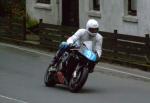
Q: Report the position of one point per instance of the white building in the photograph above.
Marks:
(130, 17)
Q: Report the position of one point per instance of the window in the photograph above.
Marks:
(94, 5)
(44, 1)
(132, 7)
(94, 8)
(130, 11)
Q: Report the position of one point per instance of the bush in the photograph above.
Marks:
(30, 22)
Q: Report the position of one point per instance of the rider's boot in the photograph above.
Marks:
(53, 62)
(91, 68)
(55, 59)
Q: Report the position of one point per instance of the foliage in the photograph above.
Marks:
(13, 8)
(30, 22)
(18, 8)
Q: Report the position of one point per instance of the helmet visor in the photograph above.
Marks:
(93, 30)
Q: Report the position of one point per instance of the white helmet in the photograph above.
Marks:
(92, 27)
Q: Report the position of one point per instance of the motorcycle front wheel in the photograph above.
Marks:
(77, 83)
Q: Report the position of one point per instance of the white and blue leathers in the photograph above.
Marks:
(83, 35)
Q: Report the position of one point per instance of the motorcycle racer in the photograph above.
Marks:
(90, 33)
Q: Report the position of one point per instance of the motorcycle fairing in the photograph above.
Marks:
(89, 55)
(87, 51)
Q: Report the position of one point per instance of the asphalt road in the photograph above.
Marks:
(21, 81)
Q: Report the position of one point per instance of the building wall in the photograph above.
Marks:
(112, 16)
(46, 12)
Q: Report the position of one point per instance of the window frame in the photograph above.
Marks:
(94, 12)
(127, 16)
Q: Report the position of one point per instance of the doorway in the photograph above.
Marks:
(70, 13)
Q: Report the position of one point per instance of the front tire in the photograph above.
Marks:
(49, 78)
(76, 84)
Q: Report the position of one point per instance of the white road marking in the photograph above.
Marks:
(122, 72)
(25, 49)
(12, 99)
(45, 54)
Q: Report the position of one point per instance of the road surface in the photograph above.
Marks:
(21, 81)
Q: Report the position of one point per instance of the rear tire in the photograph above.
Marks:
(76, 85)
(49, 78)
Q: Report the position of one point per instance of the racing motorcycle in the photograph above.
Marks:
(75, 64)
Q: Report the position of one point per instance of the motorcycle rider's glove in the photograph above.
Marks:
(72, 45)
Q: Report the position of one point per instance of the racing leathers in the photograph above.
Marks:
(82, 35)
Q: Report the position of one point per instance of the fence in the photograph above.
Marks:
(126, 46)
(115, 46)
(15, 30)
